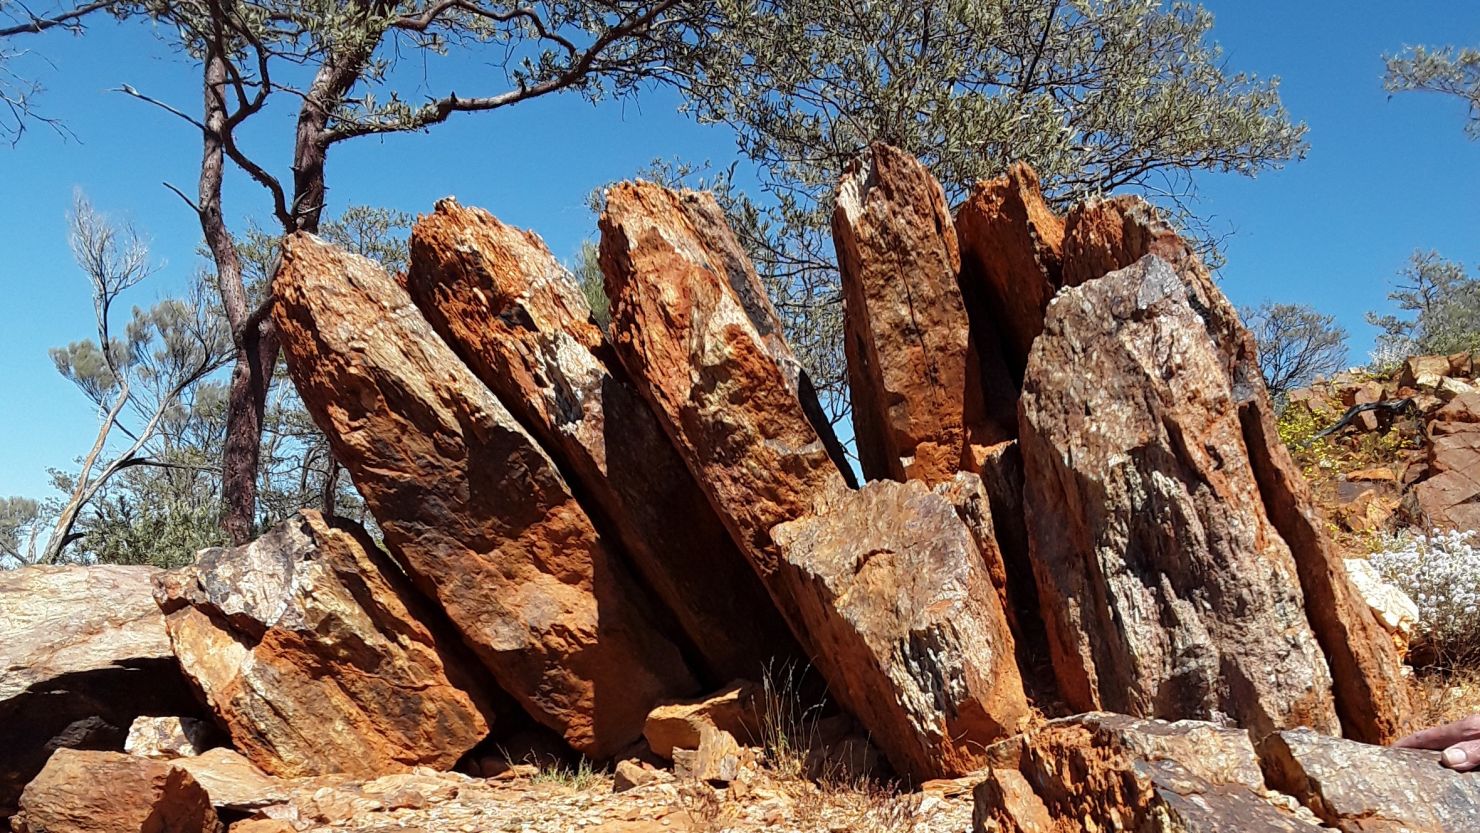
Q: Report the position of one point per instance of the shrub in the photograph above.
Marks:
(1440, 571)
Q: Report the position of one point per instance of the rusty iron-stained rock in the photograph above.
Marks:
(476, 512)
(516, 316)
(312, 626)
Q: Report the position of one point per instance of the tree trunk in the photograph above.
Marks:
(251, 379)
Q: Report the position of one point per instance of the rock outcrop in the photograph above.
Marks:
(109, 792)
(516, 316)
(311, 626)
(1370, 789)
(471, 506)
(1153, 554)
(1371, 696)
(1112, 772)
(83, 653)
(701, 354)
(905, 330)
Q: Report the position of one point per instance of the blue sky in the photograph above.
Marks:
(1383, 177)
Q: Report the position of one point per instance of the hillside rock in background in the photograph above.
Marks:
(311, 627)
(515, 315)
(909, 630)
(471, 507)
(1165, 589)
(1448, 493)
(1371, 695)
(1011, 251)
(83, 653)
(905, 329)
(703, 363)
(109, 792)
(1112, 772)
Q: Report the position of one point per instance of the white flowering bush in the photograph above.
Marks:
(1440, 572)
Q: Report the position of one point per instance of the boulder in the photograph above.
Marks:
(1424, 372)
(703, 358)
(169, 737)
(478, 515)
(1165, 588)
(1102, 235)
(109, 792)
(1011, 263)
(309, 626)
(1357, 788)
(737, 709)
(516, 316)
(84, 653)
(1112, 772)
(716, 757)
(235, 784)
(911, 633)
(905, 331)
(1393, 608)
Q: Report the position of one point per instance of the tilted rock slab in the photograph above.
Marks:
(1371, 695)
(699, 357)
(109, 792)
(1358, 788)
(83, 653)
(1112, 772)
(474, 510)
(905, 330)
(1165, 589)
(318, 656)
(906, 619)
(517, 318)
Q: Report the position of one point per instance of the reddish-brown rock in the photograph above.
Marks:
(1166, 590)
(905, 329)
(83, 653)
(693, 328)
(1011, 244)
(312, 626)
(1371, 695)
(474, 510)
(909, 630)
(109, 792)
(1448, 495)
(739, 709)
(730, 407)
(515, 315)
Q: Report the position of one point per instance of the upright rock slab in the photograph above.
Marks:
(1011, 248)
(516, 316)
(311, 626)
(699, 357)
(1371, 695)
(1166, 590)
(474, 510)
(905, 330)
(83, 653)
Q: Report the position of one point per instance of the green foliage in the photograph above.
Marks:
(1453, 71)
(587, 271)
(1443, 306)
(1096, 96)
(1296, 344)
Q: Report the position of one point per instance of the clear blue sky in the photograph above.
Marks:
(1382, 178)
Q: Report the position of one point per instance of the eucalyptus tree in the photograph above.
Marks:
(1448, 70)
(139, 376)
(337, 61)
(1296, 344)
(1440, 304)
